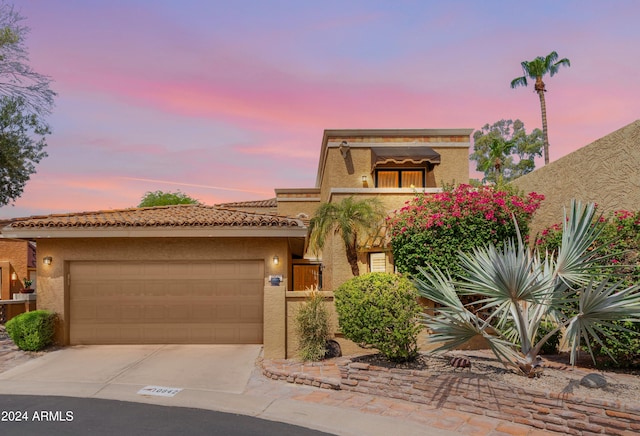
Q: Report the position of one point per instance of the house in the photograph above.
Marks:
(17, 263)
(604, 172)
(202, 274)
(392, 165)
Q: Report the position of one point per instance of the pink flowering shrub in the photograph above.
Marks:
(433, 228)
(618, 244)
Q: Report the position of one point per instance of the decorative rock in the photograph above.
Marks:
(593, 381)
(332, 349)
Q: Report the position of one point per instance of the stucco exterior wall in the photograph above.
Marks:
(294, 300)
(454, 166)
(295, 208)
(347, 172)
(53, 287)
(605, 171)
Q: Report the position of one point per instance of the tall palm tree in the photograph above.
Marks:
(537, 69)
(521, 289)
(350, 218)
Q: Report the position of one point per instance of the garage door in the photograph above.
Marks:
(216, 302)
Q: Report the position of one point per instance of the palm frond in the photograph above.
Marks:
(575, 259)
(599, 306)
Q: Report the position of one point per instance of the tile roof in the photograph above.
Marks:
(184, 215)
(271, 202)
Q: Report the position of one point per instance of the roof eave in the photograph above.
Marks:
(156, 232)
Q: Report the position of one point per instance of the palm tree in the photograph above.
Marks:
(349, 218)
(520, 290)
(537, 69)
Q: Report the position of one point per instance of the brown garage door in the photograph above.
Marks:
(216, 302)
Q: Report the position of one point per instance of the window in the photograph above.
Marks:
(377, 262)
(400, 178)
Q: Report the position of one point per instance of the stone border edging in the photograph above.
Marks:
(468, 392)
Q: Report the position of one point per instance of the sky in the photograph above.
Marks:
(228, 100)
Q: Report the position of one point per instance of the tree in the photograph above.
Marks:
(160, 198)
(537, 69)
(349, 218)
(25, 99)
(17, 79)
(520, 289)
(19, 150)
(495, 148)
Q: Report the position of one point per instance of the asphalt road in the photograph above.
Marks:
(38, 415)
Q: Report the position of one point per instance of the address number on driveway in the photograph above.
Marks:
(159, 391)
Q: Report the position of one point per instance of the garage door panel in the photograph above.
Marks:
(153, 302)
(251, 313)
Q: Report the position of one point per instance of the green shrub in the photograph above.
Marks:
(312, 326)
(618, 247)
(625, 349)
(380, 310)
(551, 345)
(32, 331)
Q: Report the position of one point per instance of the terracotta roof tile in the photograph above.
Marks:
(184, 215)
(271, 202)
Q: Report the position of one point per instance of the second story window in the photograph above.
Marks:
(400, 178)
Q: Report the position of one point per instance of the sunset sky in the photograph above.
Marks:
(227, 100)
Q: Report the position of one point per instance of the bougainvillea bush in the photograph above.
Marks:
(432, 229)
(618, 244)
(619, 250)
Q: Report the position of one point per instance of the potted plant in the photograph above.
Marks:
(27, 286)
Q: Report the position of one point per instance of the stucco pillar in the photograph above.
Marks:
(275, 319)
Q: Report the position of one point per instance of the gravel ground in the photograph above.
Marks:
(10, 355)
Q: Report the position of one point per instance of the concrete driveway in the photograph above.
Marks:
(91, 370)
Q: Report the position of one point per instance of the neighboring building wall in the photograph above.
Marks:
(14, 257)
(53, 292)
(605, 172)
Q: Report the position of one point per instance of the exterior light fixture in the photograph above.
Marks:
(364, 179)
(47, 260)
(14, 276)
(276, 260)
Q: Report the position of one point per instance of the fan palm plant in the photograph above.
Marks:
(536, 70)
(522, 288)
(350, 218)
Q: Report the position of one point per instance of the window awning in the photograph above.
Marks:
(403, 155)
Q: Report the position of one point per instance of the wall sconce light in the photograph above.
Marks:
(14, 276)
(276, 260)
(47, 260)
(364, 179)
